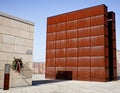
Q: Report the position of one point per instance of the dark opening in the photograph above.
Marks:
(110, 47)
(110, 15)
(64, 75)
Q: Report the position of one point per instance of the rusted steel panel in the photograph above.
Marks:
(84, 32)
(84, 62)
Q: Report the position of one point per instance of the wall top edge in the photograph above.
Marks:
(77, 10)
(16, 18)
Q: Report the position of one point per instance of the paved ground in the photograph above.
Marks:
(57, 86)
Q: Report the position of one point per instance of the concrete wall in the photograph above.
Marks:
(16, 38)
(118, 63)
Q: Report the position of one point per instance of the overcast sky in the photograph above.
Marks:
(37, 11)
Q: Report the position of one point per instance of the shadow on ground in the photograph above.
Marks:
(40, 82)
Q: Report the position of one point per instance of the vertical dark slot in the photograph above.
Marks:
(110, 46)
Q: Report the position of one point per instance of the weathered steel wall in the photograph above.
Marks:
(78, 41)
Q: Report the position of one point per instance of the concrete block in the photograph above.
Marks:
(26, 74)
(28, 42)
(24, 57)
(25, 26)
(1, 37)
(24, 34)
(14, 23)
(19, 49)
(3, 56)
(15, 32)
(30, 58)
(31, 28)
(19, 41)
(11, 56)
(1, 74)
(8, 47)
(1, 83)
(1, 46)
(31, 35)
(8, 39)
(4, 21)
(4, 29)
(2, 65)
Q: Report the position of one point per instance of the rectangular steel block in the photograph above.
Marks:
(72, 25)
(114, 53)
(60, 53)
(71, 62)
(100, 79)
(79, 42)
(113, 25)
(52, 20)
(106, 41)
(61, 35)
(99, 10)
(84, 42)
(84, 62)
(50, 45)
(60, 62)
(106, 31)
(84, 78)
(50, 53)
(84, 32)
(114, 44)
(114, 63)
(72, 33)
(98, 61)
(51, 28)
(51, 36)
(85, 22)
(60, 44)
(72, 16)
(97, 51)
(61, 18)
(114, 35)
(71, 52)
(98, 30)
(98, 40)
(106, 62)
(61, 26)
(98, 72)
(106, 51)
(83, 51)
(84, 13)
(83, 71)
(98, 20)
(50, 62)
(72, 43)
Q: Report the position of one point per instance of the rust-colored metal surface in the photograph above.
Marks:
(82, 42)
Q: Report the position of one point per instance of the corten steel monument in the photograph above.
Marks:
(81, 45)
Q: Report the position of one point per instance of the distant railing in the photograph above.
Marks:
(38, 68)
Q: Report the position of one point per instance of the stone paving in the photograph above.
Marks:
(58, 86)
